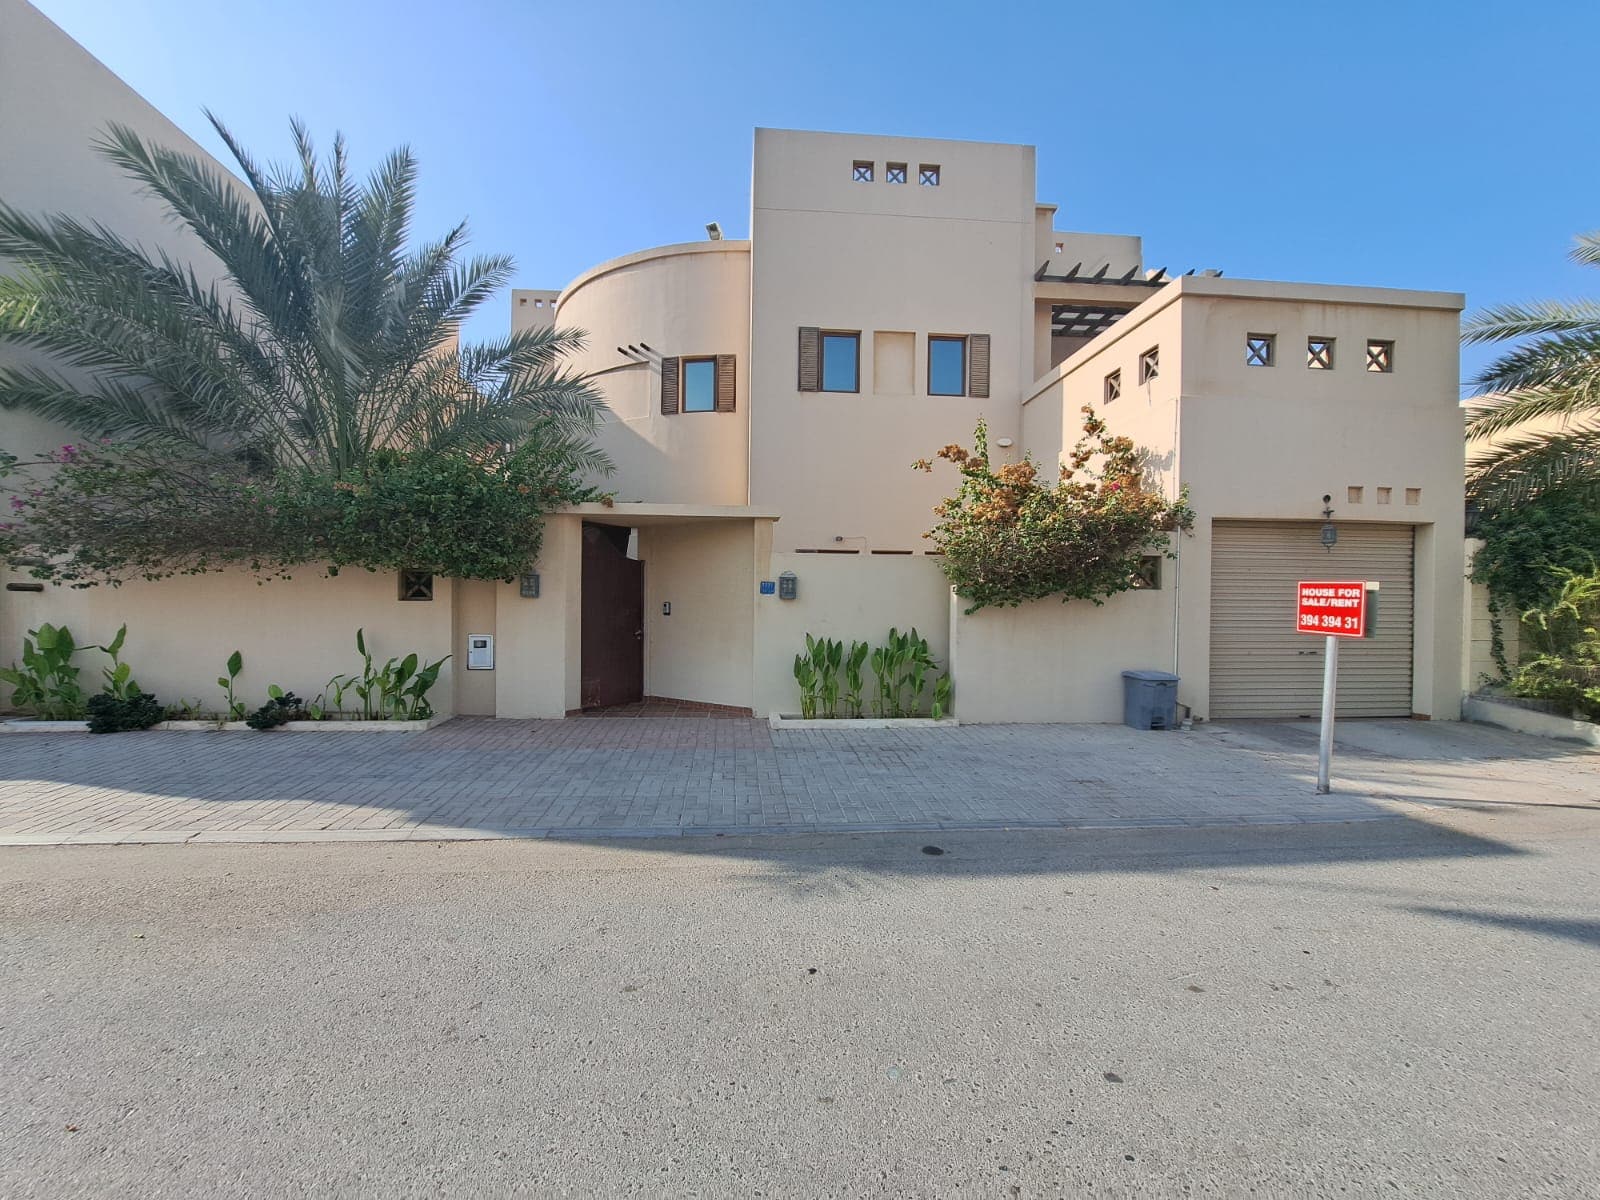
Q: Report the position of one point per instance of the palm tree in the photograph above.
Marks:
(1538, 407)
(326, 340)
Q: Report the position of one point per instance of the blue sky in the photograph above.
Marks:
(1433, 145)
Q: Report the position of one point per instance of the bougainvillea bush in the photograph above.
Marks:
(1007, 536)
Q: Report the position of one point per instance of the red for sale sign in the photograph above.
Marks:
(1337, 609)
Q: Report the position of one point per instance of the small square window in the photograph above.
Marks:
(894, 172)
(1113, 386)
(861, 172)
(416, 585)
(1353, 495)
(1413, 495)
(928, 174)
(1384, 494)
(699, 385)
(841, 362)
(1258, 348)
(947, 366)
(1149, 576)
(1380, 357)
(1319, 353)
(1150, 364)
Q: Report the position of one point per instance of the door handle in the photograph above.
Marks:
(639, 634)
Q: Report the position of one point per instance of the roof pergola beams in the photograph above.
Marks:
(1084, 320)
(1130, 279)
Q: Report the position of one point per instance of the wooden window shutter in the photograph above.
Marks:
(726, 391)
(978, 367)
(671, 381)
(810, 359)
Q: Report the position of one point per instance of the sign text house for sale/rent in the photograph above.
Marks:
(1332, 609)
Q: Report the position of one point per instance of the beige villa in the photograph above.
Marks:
(765, 399)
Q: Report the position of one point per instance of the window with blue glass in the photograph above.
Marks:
(699, 385)
(841, 362)
(947, 366)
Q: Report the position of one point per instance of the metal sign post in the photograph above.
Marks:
(1335, 610)
(1330, 687)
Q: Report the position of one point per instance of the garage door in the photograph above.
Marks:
(1260, 667)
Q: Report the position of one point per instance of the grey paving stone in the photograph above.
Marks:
(481, 778)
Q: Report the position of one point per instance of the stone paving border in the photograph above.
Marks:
(476, 778)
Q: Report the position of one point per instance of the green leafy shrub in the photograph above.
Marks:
(903, 667)
(110, 713)
(854, 681)
(1565, 669)
(1526, 546)
(805, 674)
(119, 675)
(235, 664)
(1007, 538)
(396, 691)
(280, 708)
(817, 673)
(457, 514)
(47, 682)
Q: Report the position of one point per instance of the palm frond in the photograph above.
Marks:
(1586, 249)
(1501, 322)
(307, 335)
(1520, 469)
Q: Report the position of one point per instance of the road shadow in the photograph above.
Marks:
(1585, 933)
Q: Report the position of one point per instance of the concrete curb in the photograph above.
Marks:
(426, 833)
(1529, 720)
(30, 726)
(845, 724)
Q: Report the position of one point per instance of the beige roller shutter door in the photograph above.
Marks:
(1260, 667)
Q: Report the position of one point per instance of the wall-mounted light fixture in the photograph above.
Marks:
(1330, 531)
(714, 231)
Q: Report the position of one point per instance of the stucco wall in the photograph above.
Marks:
(691, 300)
(827, 252)
(706, 570)
(849, 597)
(295, 633)
(473, 612)
(1049, 661)
(537, 643)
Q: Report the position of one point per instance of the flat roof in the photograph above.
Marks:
(624, 513)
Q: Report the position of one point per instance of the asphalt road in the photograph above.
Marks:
(1402, 1008)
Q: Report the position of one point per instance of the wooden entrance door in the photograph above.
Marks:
(613, 619)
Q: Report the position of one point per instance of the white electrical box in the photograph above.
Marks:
(480, 651)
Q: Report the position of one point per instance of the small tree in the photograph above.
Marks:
(1006, 537)
(313, 406)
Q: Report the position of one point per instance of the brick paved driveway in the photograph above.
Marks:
(649, 777)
